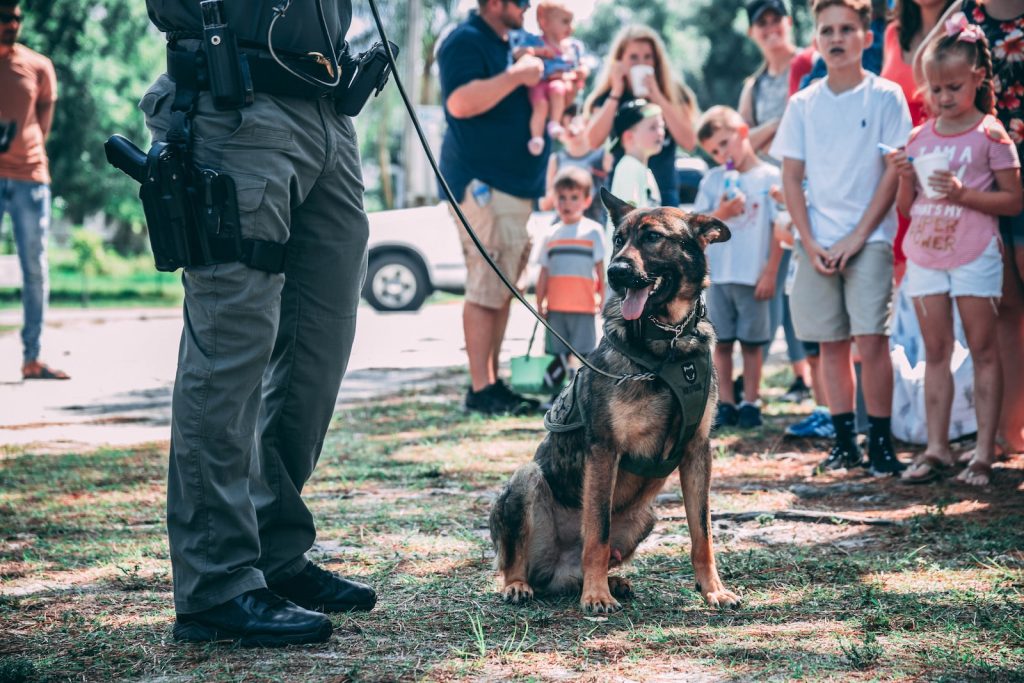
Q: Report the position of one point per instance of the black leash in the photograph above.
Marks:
(644, 376)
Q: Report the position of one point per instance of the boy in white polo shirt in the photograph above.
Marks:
(842, 290)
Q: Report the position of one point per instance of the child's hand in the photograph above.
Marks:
(845, 249)
(820, 258)
(782, 231)
(730, 208)
(946, 183)
(775, 192)
(765, 287)
(901, 163)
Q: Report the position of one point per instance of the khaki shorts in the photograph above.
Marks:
(857, 301)
(501, 227)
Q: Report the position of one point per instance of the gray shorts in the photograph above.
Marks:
(578, 328)
(737, 315)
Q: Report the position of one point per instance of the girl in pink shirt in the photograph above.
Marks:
(952, 246)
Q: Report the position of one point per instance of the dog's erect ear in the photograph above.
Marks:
(616, 207)
(708, 230)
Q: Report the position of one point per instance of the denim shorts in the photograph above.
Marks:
(982, 277)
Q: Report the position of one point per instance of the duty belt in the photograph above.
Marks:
(187, 68)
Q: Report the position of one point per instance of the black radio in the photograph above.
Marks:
(371, 75)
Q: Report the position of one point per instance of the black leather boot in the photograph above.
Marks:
(318, 589)
(257, 618)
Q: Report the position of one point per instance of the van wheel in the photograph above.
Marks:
(396, 282)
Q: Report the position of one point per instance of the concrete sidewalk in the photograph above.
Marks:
(122, 364)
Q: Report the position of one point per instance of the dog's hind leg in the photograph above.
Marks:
(695, 478)
(521, 529)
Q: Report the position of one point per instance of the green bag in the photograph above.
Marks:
(528, 371)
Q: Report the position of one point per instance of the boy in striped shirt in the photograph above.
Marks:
(570, 288)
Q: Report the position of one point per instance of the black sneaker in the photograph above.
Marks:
(797, 392)
(749, 416)
(487, 401)
(842, 458)
(883, 461)
(517, 399)
(727, 416)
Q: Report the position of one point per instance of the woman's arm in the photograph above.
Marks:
(678, 117)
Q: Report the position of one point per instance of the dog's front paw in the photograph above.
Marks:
(722, 599)
(599, 602)
(620, 587)
(516, 592)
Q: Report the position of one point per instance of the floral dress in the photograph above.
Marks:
(1006, 40)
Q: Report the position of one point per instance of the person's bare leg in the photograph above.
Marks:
(935, 316)
(752, 356)
(818, 388)
(1010, 332)
(559, 101)
(478, 324)
(837, 374)
(723, 367)
(539, 118)
(876, 373)
(499, 325)
(979, 318)
(802, 370)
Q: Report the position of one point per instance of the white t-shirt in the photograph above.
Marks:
(837, 137)
(632, 182)
(741, 259)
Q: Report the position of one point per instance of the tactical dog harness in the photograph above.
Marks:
(688, 376)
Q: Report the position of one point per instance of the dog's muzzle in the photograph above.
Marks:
(623, 275)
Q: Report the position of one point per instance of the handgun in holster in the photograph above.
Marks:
(191, 212)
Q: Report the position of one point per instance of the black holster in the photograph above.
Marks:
(191, 212)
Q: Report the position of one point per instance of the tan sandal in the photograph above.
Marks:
(936, 468)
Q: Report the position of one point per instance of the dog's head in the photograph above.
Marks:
(657, 263)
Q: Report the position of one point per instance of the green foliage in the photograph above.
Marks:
(105, 53)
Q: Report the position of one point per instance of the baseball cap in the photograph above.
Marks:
(630, 114)
(758, 7)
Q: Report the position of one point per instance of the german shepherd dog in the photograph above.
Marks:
(571, 514)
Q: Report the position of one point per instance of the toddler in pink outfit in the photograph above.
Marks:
(564, 72)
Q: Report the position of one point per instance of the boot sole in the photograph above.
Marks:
(198, 633)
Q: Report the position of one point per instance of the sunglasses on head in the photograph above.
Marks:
(521, 4)
(9, 18)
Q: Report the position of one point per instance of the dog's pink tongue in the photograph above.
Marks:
(633, 303)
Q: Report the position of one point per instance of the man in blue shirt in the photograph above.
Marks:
(487, 164)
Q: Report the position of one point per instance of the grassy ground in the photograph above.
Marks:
(927, 586)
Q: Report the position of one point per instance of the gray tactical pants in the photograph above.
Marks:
(262, 355)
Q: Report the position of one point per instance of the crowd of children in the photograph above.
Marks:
(825, 178)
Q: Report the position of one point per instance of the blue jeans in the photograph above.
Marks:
(28, 204)
(780, 314)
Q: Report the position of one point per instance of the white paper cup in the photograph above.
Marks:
(637, 75)
(925, 165)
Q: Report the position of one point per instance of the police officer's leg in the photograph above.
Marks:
(231, 321)
(325, 270)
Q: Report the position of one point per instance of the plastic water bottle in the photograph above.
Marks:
(481, 192)
(731, 181)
